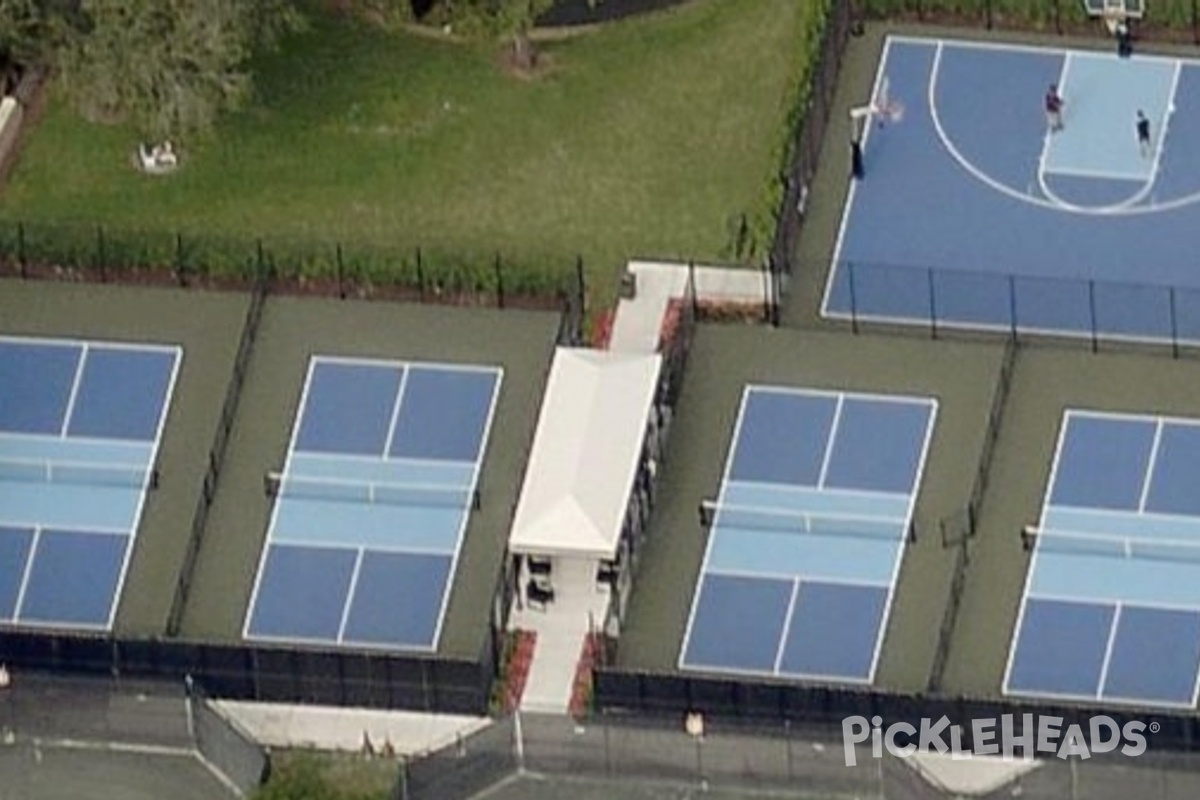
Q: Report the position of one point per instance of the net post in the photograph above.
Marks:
(1028, 533)
(476, 499)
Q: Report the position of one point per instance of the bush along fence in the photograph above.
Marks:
(1165, 20)
(100, 253)
(827, 37)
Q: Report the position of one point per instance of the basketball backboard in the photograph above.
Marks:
(1132, 9)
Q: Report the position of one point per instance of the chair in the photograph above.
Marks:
(540, 566)
(539, 593)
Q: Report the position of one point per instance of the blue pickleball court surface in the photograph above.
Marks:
(80, 425)
(808, 534)
(972, 214)
(1111, 609)
(373, 503)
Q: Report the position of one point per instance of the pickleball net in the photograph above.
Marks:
(1086, 543)
(80, 473)
(279, 485)
(811, 523)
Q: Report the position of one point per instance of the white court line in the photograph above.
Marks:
(1082, 698)
(24, 584)
(1108, 650)
(1166, 517)
(47, 341)
(1096, 174)
(1148, 478)
(787, 624)
(831, 437)
(365, 361)
(358, 458)
(354, 571)
(1048, 134)
(1124, 209)
(931, 406)
(143, 496)
(711, 533)
(893, 585)
(758, 673)
(804, 391)
(329, 544)
(391, 430)
(266, 545)
(1196, 688)
(1030, 571)
(789, 488)
(1068, 334)
(803, 577)
(976, 44)
(1110, 601)
(70, 410)
(480, 455)
(847, 208)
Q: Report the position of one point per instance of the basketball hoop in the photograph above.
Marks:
(1114, 18)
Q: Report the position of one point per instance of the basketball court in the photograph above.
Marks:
(970, 211)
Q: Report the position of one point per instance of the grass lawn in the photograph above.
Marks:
(647, 138)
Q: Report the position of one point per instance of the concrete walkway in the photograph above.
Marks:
(342, 729)
(972, 777)
(562, 627)
(638, 321)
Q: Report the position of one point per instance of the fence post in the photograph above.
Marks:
(499, 282)
(764, 271)
(100, 259)
(987, 12)
(178, 254)
(1195, 23)
(692, 285)
(21, 249)
(341, 271)
(420, 276)
(580, 285)
(260, 267)
(1058, 16)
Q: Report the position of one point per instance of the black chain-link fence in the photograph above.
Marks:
(1098, 312)
(224, 745)
(146, 719)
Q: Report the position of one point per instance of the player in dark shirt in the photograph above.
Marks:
(1054, 107)
(1143, 133)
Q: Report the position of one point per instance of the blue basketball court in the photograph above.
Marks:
(1111, 609)
(80, 425)
(808, 533)
(973, 214)
(373, 502)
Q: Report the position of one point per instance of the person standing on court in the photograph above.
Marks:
(1054, 107)
(1143, 134)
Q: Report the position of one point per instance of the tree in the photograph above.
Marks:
(27, 30)
(169, 67)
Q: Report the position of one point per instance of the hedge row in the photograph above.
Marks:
(37, 247)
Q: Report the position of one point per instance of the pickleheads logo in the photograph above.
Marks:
(991, 737)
